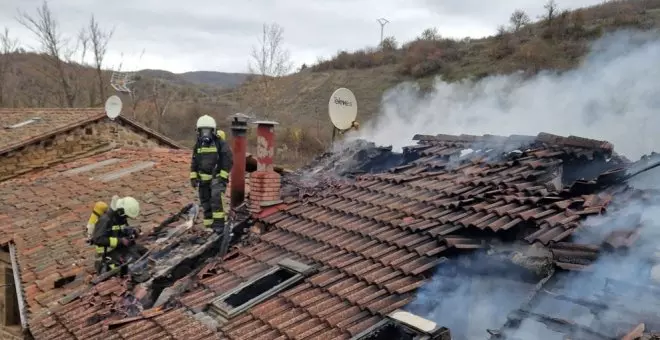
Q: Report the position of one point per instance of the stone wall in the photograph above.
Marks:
(73, 144)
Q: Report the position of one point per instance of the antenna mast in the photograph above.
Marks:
(382, 22)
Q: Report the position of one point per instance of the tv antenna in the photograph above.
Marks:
(382, 22)
(342, 109)
(121, 81)
(113, 107)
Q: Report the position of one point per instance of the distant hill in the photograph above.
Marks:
(218, 79)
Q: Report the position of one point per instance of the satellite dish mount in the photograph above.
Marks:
(342, 109)
(113, 107)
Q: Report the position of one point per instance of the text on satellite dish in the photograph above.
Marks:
(342, 102)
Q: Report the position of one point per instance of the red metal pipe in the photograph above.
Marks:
(239, 150)
(265, 145)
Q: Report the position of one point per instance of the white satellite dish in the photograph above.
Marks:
(342, 108)
(113, 107)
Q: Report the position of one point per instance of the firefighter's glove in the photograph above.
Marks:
(127, 242)
(194, 182)
(132, 232)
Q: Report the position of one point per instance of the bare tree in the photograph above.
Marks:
(53, 45)
(430, 34)
(551, 9)
(270, 60)
(99, 40)
(161, 97)
(8, 47)
(518, 20)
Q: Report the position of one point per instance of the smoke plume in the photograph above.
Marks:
(614, 95)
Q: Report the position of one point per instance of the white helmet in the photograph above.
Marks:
(130, 205)
(206, 121)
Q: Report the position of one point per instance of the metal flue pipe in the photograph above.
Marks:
(239, 123)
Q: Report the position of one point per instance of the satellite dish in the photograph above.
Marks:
(113, 107)
(342, 108)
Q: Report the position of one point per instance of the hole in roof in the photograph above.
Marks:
(123, 172)
(23, 123)
(402, 325)
(261, 287)
(258, 287)
(93, 166)
(61, 282)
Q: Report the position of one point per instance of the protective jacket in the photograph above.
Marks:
(211, 164)
(211, 160)
(108, 230)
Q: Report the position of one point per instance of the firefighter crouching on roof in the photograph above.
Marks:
(209, 172)
(113, 238)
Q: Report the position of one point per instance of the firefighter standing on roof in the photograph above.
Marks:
(209, 171)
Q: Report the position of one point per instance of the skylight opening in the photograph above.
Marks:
(262, 286)
(23, 123)
(402, 325)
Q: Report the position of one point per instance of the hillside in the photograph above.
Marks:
(557, 41)
(212, 78)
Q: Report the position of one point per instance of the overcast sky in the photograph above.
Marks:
(217, 35)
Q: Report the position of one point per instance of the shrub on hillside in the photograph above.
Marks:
(360, 59)
(427, 57)
(535, 55)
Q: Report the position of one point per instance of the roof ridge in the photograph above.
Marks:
(543, 137)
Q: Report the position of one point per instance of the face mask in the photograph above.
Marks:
(205, 136)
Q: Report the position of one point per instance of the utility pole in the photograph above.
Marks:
(382, 22)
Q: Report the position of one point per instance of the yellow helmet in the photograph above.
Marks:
(100, 208)
(221, 135)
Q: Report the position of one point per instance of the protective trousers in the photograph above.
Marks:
(117, 257)
(212, 198)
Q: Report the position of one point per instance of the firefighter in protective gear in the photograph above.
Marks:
(113, 238)
(209, 171)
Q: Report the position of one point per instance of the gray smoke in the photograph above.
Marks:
(614, 95)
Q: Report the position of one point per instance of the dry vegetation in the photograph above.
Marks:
(68, 71)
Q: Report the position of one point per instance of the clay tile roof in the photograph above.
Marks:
(46, 122)
(44, 213)
(373, 241)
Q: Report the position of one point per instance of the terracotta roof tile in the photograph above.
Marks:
(46, 215)
(375, 241)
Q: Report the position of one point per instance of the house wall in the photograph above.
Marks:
(73, 144)
(6, 332)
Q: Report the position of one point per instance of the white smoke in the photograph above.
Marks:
(614, 95)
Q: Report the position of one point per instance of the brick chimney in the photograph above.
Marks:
(239, 148)
(265, 182)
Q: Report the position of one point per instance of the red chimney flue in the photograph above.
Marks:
(239, 148)
(265, 182)
(265, 145)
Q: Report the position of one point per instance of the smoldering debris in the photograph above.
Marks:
(339, 165)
